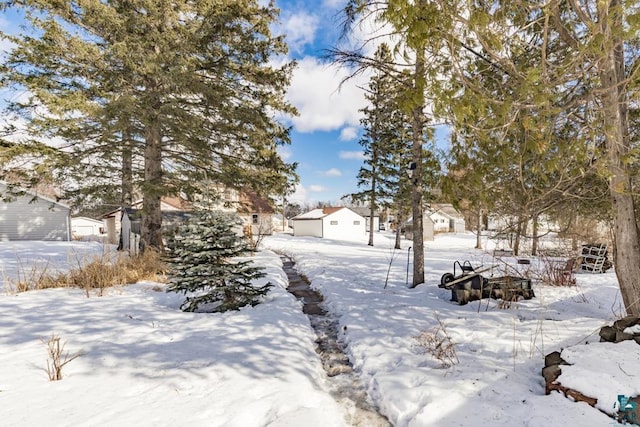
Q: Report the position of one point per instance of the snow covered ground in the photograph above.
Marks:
(146, 363)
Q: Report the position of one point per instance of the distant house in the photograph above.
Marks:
(127, 221)
(366, 213)
(330, 223)
(255, 213)
(446, 218)
(84, 228)
(33, 217)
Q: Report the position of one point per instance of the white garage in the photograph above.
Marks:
(330, 223)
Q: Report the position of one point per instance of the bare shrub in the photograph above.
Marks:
(58, 358)
(554, 272)
(437, 342)
(509, 300)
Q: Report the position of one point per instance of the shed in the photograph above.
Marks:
(84, 228)
(113, 220)
(330, 223)
(33, 217)
(366, 213)
(446, 218)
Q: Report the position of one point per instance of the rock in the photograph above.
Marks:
(621, 336)
(554, 359)
(626, 322)
(607, 333)
(551, 373)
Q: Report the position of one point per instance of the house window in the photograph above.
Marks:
(334, 223)
(356, 222)
(254, 218)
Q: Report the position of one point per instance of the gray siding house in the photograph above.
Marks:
(29, 217)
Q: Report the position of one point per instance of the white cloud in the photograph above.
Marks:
(351, 155)
(285, 152)
(332, 172)
(300, 29)
(333, 3)
(299, 195)
(322, 103)
(349, 133)
(317, 188)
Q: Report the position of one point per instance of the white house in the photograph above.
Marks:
(33, 217)
(330, 223)
(366, 213)
(446, 219)
(86, 228)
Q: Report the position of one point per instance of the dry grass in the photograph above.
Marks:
(437, 342)
(58, 358)
(99, 273)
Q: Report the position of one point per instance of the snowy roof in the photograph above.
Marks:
(31, 193)
(318, 213)
(445, 209)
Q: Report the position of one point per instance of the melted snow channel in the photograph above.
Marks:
(347, 387)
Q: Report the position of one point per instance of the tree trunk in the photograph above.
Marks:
(479, 230)
(151, 215)
(126, 179)
(398, 228)
(417, 127)
(534, 239)
(127, 171)
(519, 229)
(372, 201)
(616, 128)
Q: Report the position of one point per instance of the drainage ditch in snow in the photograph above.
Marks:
(347, 387)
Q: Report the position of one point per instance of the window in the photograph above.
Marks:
(254, 218)
(333, 223)
(356, 222)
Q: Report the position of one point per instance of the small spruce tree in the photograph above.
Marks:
(201, 256)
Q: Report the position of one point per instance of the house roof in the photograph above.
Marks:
(446, 209)
(318, 213)
(172, 203)
(364, 211)
(251, 202)
(32, 194)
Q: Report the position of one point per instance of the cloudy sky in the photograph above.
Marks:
(325, 133)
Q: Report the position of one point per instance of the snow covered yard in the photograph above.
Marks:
(501, 351)
(146, 363)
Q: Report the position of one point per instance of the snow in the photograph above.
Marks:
(144, 362)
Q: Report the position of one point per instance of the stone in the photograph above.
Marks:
(608, 334)
(554, 359)
(551, 373)
(621, 336)
(626, 322)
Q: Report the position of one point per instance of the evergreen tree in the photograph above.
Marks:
(153, 95)
(382, 123)
(201, 256)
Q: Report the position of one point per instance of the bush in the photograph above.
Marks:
(202, 256)
(438, 343)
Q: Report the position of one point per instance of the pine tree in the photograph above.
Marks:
(201, 256)
(382, 123)
(153, 95)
